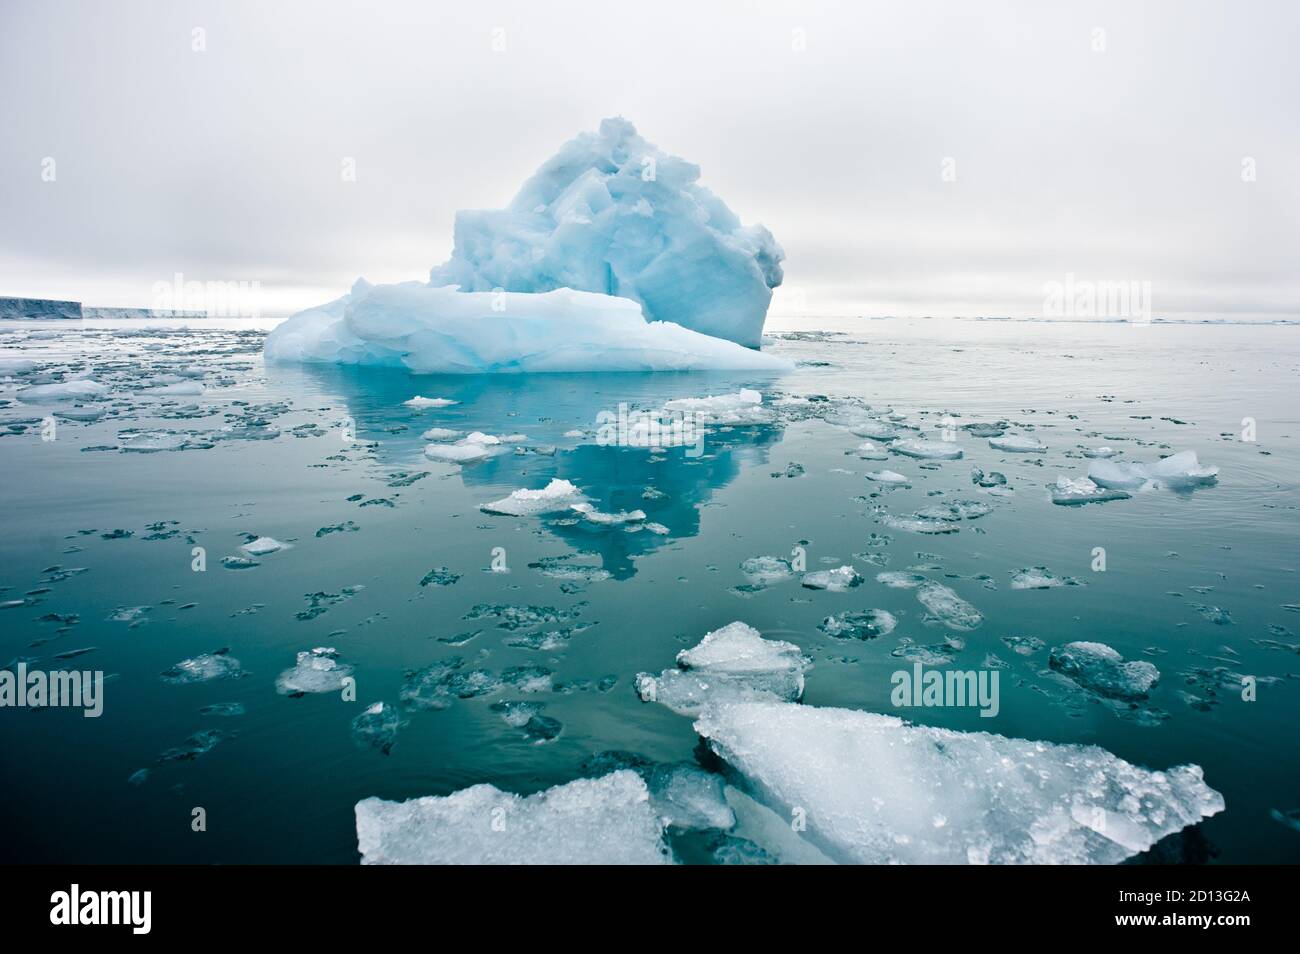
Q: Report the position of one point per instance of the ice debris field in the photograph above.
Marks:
(338, 573)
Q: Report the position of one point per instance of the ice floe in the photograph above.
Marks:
(317, 670)
(1017, 444)
(1099, 668)
(558, 495)
(1181, 471)
(839, 580)
(1070, 491)
(83, 389)
(606, 820)
(876, 790)
(926, 450)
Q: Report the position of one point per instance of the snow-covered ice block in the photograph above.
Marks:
(470, 449)
(1017, 444)
(839, 580)
(886, 477)
(734, 663)
(876, 790)
(83, 389)
(558, 495)
(440, 330)
(1101, 669)
(419, 402)
(262, 546)
(605, 821)
(1069, 491)
(926, 450)
(1180, 471)
(613, 214)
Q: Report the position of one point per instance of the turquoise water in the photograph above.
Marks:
(1201, 583)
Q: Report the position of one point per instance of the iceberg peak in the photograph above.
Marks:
(612, 213)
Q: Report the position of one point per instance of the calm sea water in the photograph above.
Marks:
(1202, 584)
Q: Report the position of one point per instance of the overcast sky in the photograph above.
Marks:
(1123, 163)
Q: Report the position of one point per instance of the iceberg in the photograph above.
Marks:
(613, 214)
(558, 495)
(606, 820)
(431, 330)
(876, 790)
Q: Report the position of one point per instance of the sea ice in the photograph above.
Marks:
(926, 450)
(729, 664)
(1070, 491)
(611, 213)
(470, 449)
(420, 402)
(204, 668)
(867, 624)
(1181, 471)
(440, 434)
(605, 820)
(262, 546)
(876, 790)
(558, 495)
(742, 407)
(81, 390)
(839, 580)
(947, 607)
(1099, 668)
(886, 477)
(1017, 444)
(317, 670)
(377, 727)
(766, 570)
(686, 796)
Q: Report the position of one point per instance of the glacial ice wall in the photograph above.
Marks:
(614, 214)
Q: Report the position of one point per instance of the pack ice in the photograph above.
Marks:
(605, 820)
(876, 790)
(610, 258)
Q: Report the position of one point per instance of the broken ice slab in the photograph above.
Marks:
(875, 790)
(1099, 668)
(926, 450)
(1070, 491)
(558, 495)
(605, 820)
(839, 580)
(317, 670)
(1017, 444)
(205, 667)
(731, 663)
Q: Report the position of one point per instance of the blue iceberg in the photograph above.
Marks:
(610, 258)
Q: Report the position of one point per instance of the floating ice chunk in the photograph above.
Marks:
(1069, 491)
(472, 448)
(177, 389)
(420, 402)
(1037, 578)
(743, 407)
(918, 524)
(875, 790)
(317, 670)
(86, 412)
(204, 668)
(898, 580)
(729, 664)
(926, 450)
(686, 796)
(1099, 452)
(152, 442)
(868, 624)
(592, 515)
(598, 821)
(262, 546)
(440, 434)
(839, 580)
(12, 367)
(80, 390)
(1180, 471)
(886, 477)
(766, 570)
(613, 214)
(1099, 668)
(869, 451)
(558, 495)
(1017, 444)
(441, 330)
(947, 607)
(377, 727)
